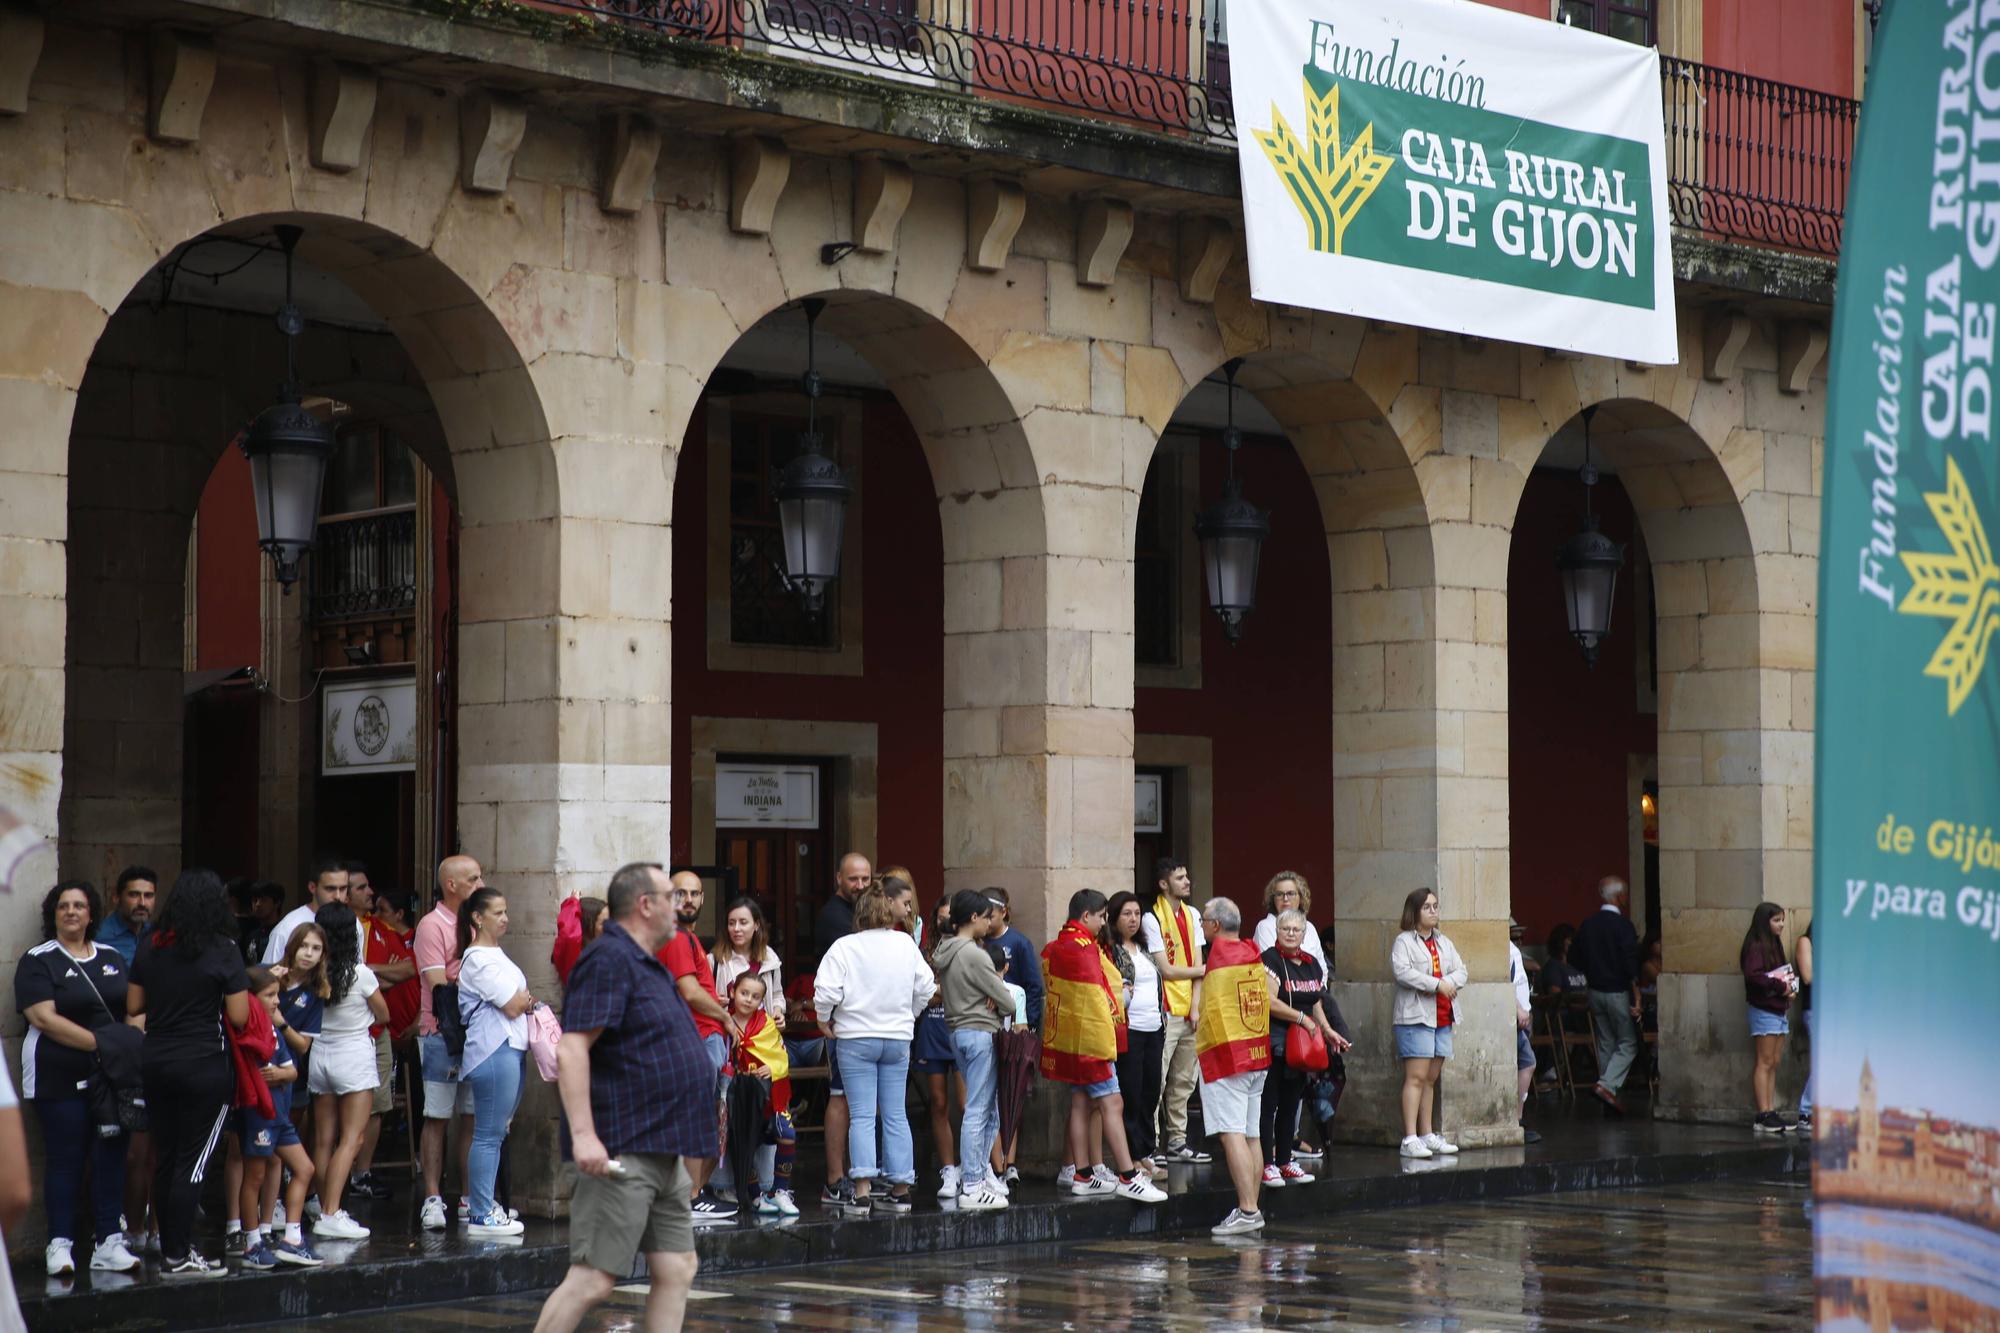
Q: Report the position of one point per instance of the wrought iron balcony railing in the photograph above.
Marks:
(1748, 159)
(365, 564)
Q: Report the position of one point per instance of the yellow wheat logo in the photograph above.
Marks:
(1328, 185)
(1963, 587)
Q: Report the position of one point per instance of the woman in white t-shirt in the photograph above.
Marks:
(493, 1000)
(342, 1074)
(1287, 891)
(1146, 1031)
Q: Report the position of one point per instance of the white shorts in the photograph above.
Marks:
(1233, 1105)
(343, 1064)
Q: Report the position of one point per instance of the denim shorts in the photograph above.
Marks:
(1415, 1041)
(1101, 1088)
(1764, 1023)
(1524, 1051)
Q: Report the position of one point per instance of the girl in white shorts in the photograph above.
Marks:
(342, 1078)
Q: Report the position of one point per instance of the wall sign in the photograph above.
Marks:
(368, 726)
(1147, 795)
(1458, 167)
(766, 796)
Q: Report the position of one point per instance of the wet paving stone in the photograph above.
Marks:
(1702, 1256)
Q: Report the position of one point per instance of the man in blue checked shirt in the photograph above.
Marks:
(639, 1092)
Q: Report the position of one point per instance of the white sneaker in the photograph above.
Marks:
(1437, 1144)
(495, 1224)
(787, 1205)
(1238, 1223)
(1092, 1187)
(312, 1208)
(981, 1198)
(1105, 1174)
(339, 1226)
(433, 1218)
(111, 1256)
(1066, 1175)
(948, 1183)
(58, 1258)
(193, 1266)
(998, 1184)
(278, 1217)
(1414, 1147)
(1274, 1179)
(1141, 1189)
(1295, 1174)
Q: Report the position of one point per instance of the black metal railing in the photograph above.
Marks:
(1748, 159)
(1751, 159)
(364, 564)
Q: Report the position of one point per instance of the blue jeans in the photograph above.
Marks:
(982, 1102)
(876, 1072)
(1805, 1093)
(69, 1139)
(496, 1089)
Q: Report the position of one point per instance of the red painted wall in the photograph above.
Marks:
(1806, 42)
(1572, 727)
(1537, 9)
(1267, 703)
(902, 688)
(227, 569)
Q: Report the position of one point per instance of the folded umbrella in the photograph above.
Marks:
(1020, 1052)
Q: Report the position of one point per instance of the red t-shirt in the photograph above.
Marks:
(404, 998)
(1437, 970)
(801, 1021)
(684, 956)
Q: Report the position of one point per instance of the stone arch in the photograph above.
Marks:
(164, 391)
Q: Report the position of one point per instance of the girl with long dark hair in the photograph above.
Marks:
(1769, 982)
(187, 980)
(343, 1078)
(1139, 1065)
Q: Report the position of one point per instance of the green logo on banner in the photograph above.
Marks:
(1963, 587)
(1478, 194)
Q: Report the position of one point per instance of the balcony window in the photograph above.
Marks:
(365, 558)
(763, 609)
(1628, 20)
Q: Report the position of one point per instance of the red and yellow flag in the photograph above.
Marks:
(1083, 1018)
(763, 1048)
(1233, 1035)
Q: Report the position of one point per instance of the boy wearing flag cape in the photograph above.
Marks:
(1233, 1046)
(1083, 1030)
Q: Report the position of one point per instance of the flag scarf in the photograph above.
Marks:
(1233, 1035)
(1083, 1018)
(1177, 933)
(763, 1048)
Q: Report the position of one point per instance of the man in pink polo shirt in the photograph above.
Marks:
(436, 946)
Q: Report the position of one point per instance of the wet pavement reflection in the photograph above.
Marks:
(1709, 1256)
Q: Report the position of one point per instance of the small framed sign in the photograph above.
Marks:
(766, 796)
(1147, 793)
(368, 726)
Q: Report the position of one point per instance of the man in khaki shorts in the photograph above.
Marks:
(639, 1093)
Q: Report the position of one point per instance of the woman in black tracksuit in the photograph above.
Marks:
(187, 980)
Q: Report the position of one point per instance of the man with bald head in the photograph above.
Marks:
(445, 1095)
(694, 977)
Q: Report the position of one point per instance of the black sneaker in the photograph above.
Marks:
(708, 1207)
(1805, 1122)
(1185, 1152)
(831, 1194)
(233, 1246)
(1769, 1122)
(892, 1202)
(364, 1185)
(842, 1199)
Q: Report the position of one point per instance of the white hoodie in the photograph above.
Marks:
(873, 983)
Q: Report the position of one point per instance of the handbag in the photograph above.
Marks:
(544, 1035)
(117, 1106)
(450, 1023)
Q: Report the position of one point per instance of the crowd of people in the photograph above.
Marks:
(172, 1031)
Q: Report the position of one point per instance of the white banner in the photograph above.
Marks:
(1448, 165)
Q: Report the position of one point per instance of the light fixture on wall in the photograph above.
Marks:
(812, 493)
(288, 447)
(1232, 533)
(1589, 563)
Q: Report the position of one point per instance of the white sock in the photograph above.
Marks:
(294, 1234)
(231, 1227)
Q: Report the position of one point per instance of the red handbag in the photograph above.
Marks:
(1305, 1048)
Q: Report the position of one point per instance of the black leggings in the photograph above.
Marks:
(1139, 1085)
(1284, 1090)
(187, 1106)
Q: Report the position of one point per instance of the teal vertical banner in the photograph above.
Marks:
(1906, 921)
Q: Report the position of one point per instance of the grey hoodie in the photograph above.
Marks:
(969, 981)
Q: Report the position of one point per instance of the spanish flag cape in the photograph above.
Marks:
(1083, 1018)
(1233, 1035)
(763, 1048)
(1179, 933)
